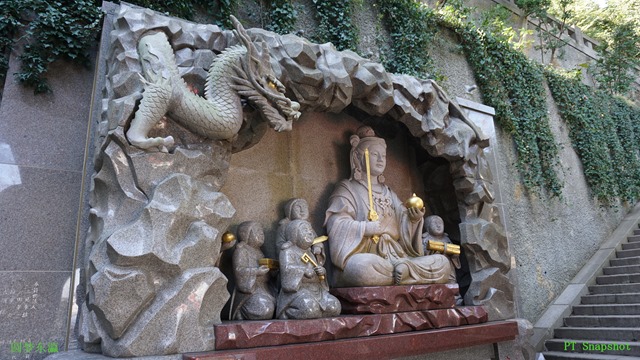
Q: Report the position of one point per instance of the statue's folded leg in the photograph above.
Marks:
(431, 269)
(259, 307)
(366, 270)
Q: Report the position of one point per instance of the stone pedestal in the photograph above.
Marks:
(250, 334)
(392, 299)
(377, 347)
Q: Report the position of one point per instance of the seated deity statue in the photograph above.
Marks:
(304, 292)
(369, 252)
(254, 299)
(297, 209)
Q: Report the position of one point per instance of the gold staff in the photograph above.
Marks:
(307, 259)
(373, 215)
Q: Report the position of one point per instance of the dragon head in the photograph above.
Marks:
(257, 82)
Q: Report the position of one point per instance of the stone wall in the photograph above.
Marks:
(551, 239)
(42, 154)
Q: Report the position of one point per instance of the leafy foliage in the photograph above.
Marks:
(282, 16)
(617, 27)
(514, 86)
(605, 131)
(412, 28)
(51, 30)
(549, 30)
(620, 55)
(336, 24)
(187, 9)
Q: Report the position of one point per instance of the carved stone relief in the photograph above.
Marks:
(157, 216)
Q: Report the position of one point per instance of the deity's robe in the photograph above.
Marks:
(358, 260)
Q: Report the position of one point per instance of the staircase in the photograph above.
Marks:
(606, 325)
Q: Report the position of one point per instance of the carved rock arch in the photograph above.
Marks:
(134, 191)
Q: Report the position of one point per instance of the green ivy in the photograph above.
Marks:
(336, 23)
(51, 30)
(514, 86)
(605, 131)
(412, 28)
(282, 16)
(220, 10)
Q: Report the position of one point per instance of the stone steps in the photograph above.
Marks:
(607, 309)
(555, 355)
(618, 279)
(591, 347)
(624, 334)
(631, 246)
(635, 237)
(614, 288)
(627, 253)
(628, 269)
(607, 321)
(625, 261)
(606, 325)
(629, 298)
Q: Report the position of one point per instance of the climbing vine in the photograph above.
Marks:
(605, 131)
(411, 25)
(282, 16)
(514, 86)
(336, 23)
(49, 31)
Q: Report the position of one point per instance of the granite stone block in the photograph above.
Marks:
(35, 305)
(390, 299)
(59, 121)
(378, 347)
(49, 199)
(249, 334)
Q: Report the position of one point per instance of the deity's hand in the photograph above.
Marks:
(372, 228)
(320, 271)
(415, 214)
(317, 250)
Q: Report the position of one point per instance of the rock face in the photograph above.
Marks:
(157, 220)
(151, 284)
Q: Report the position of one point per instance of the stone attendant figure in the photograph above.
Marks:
(296, 209)
(254, 299)
(434, 231)
(384, 252)
(304, 293)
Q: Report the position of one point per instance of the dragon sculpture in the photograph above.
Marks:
(239, 71)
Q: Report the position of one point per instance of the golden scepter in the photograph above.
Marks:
(307, 259)
(373, 215)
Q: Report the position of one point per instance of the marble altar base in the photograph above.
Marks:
(377, 347)
(250, 334)
(392, 299)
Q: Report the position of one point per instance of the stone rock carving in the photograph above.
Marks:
(298, 209)
(237, 71)
(304, 293)
(162, 295)
(372, 252)
(253, 298)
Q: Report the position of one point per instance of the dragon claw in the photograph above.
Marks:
(148, 143)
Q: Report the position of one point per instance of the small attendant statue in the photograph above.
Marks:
(434, 234)
(304, 292)
(254, 298)
(297, 209)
